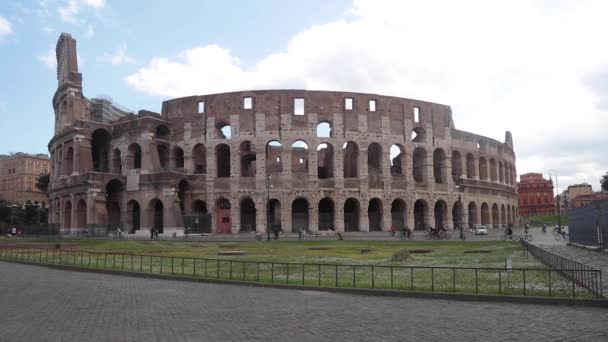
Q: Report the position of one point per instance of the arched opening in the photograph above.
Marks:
(69, 161)
(134, 156)
(351, 160)
(493, 170)
(325, 161)
(398, 212)
(485, 214)
(509, 221)
(100, 149)
(456, 166)
(470, 166)
(419, 169)
(274, 159)
(116, 161)
(299, 157)
(201, 222)
(397, 158)
(222, 154)
(439, 166)
(440, 211)
(274, 215)
(324, 129)
(178, 157)
(299, 215)
(247, 151)
(495, 216)
(81, 214)
(483, 168)
(375, 214)
(114, 192)
(183, 194)
(134, 215)
(457, 213)
(501, 173)
(247, 215)
(199, 156)
(67, 215)
(223, 216)
(472, 214)
(503, 216)
(326, 214)
(157, 208)
(421, 209)
(374, 159)
(224, 130)
(163, 156)
(162, 132)
(351, 215)
(418, 135)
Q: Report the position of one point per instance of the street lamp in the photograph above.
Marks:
(268, 208)
(459, 188)
(559, 205)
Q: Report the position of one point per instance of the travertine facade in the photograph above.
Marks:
(319, 159)
(19, 173)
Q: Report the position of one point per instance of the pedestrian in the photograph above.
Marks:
(155, 234)
(151, 233)
(276, 233)
(544, 228)
(300, 234)
(526, 229)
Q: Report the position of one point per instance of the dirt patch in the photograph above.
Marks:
(231, 253)
(401, 255)
(228, 246)
(420, 251)
(366, 250)
(319, 248)
(63, 246)
(481, 251)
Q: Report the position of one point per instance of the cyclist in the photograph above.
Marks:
(544, 227)
(119, 232)
(526, 226)
(509, 231)
(562, 232)
(187, 232)
(407, 233)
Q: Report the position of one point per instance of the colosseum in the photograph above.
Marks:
(270, 159)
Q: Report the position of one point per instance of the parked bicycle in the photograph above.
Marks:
(436, 234)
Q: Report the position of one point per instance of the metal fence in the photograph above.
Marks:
(500, 281)
(580, 274)
(588, 225)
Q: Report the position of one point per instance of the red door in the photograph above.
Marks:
(223, 221)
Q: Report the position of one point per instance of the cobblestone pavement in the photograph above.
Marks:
(41, 304)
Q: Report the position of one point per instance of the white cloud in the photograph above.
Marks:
(71, 9)
(90, 31)
(49, 59)
(501, 66)
(6, 27)
(119, 56)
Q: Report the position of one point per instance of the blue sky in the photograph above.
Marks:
(536, 68)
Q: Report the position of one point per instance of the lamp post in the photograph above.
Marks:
(459, 188)
(559, 205)
(268, 208)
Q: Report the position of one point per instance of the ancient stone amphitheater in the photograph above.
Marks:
(284, 159)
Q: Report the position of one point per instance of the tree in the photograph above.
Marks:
(42, 183)
(604, 182)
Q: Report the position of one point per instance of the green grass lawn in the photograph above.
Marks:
(549, 220)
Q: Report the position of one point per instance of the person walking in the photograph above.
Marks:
(151, 233)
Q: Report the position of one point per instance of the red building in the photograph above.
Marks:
(535, 195)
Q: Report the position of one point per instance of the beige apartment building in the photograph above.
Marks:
(18, 175)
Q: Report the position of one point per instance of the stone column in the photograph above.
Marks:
(363, 215)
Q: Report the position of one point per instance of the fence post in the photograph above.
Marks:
(194, 267)
(373, 276)
(411, 278)
(391, 277)
(182, 265)
(476, 282)
(336, 270)
(172, 269)
(287, 281)
(230, 269)
(453, 279)
(355, 276)
(161, 264)
(549, 273)
(319, 269)
(272, 272)
(499, 282)
(432, 279)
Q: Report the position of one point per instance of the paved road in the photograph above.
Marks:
(40, 304)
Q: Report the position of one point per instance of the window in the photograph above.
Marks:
(247, 102)
(201, 107)
(416, 114)
(348, 103)
(298, 106)
(372, 105)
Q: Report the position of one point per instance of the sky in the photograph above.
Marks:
(538, 69)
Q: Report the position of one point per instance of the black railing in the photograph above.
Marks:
(580, 274)
(499, 281)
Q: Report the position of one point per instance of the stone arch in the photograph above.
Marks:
(326, 212)
(324, 129)
(299, 214)
(274, 215)
(183, 194)
(299, 157)
(470, 166)
(114, 195)
(509, 221)
(202, 218)
(457, 212)
(485, 214)
(495, 216)
(493, 170)
(397, 159)
(325, 161)
(375, 215)
(351, 160)
(352, 210)
(418, 163)
(248, 215)
(116, 161)
(222, 156)
(472, 213)
(483, 168)
(100, 150)
(157, 213)
(67, 215)
(163, 156)
(222, 206)
(178, 157)
(456, 166)
(248, 159)
(398, 214)
(439, 167)
(223, 130)
(134, 216)
(81, 214)
(501, 173)
(69, 161)
(199, 156)
(441, 214)
(374, 159)
(274, 157)
(421, 210)
(418, 135)
(503, 215)
(162, 132)
(134, 156)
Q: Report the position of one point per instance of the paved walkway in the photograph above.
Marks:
(42, 304)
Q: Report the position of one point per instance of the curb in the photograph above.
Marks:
(578, 245)
(467, 297)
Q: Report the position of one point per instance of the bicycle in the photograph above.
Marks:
(117, 235)
(559, 236)
(405, 235)
(512, 237)
(438, 234)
